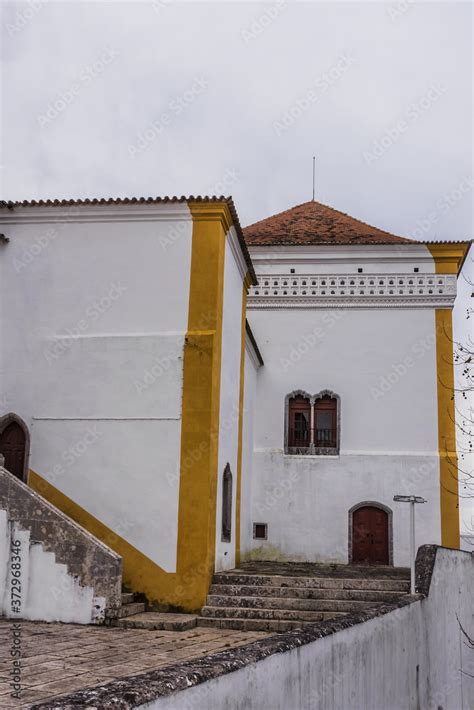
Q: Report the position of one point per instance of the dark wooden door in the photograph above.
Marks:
(370, 536)
(12, 446)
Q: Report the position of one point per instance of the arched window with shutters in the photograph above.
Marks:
(226, 505)
(312, 423)
(325, 422)
(298, 422)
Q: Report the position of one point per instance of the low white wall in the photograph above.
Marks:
(413, 658)
(34, 586)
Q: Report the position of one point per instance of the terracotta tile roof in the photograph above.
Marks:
(144, 200)
(314, 223)
(113, 201)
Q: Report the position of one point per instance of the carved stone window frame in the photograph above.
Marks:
(226, 513)
(312, 450)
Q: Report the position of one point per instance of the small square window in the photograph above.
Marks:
(260, 531)
(416, 269)
(360, 271)
(292, 271)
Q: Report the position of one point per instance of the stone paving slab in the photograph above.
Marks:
(58, 659)
(159, 621)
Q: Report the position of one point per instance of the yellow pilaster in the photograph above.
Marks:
(448, 260)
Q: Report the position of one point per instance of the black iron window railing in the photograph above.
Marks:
(298, 439)
(325, 438)
(317, 438)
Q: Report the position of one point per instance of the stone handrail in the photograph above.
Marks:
(95, 564)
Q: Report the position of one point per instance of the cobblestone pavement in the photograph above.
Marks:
(61, 658)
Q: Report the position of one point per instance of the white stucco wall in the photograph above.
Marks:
(246, 516)
(93, 357)
(414, 657)
(389, 435)
(229, 398)
(381, 361)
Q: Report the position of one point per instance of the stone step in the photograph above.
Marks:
(304, 592)
(225, 612)
(269, 625)
(130, 609)
(290, 603)
(127, 597)
(154, 620)
(231, 579)
(314, 569)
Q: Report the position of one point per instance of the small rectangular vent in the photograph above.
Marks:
(260, 531)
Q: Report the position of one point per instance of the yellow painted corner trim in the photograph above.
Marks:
(210, 212)
(449, 484)
(201, 399)
(248, 281)
(449, 258)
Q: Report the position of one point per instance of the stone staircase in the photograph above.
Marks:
(60, 571)
(133, 615)
(276, 597)
(130, 606)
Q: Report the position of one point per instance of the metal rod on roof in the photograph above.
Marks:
(314, 173)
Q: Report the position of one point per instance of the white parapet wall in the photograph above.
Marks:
(34, 586)
(413, 657)
(55, 569)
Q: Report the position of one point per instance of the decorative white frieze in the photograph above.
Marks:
(353, 290)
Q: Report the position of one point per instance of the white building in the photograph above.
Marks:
(136, 399)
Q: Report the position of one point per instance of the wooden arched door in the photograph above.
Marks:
(370, 536)
(13, 447)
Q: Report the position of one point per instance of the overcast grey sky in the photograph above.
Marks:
(166, 97)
